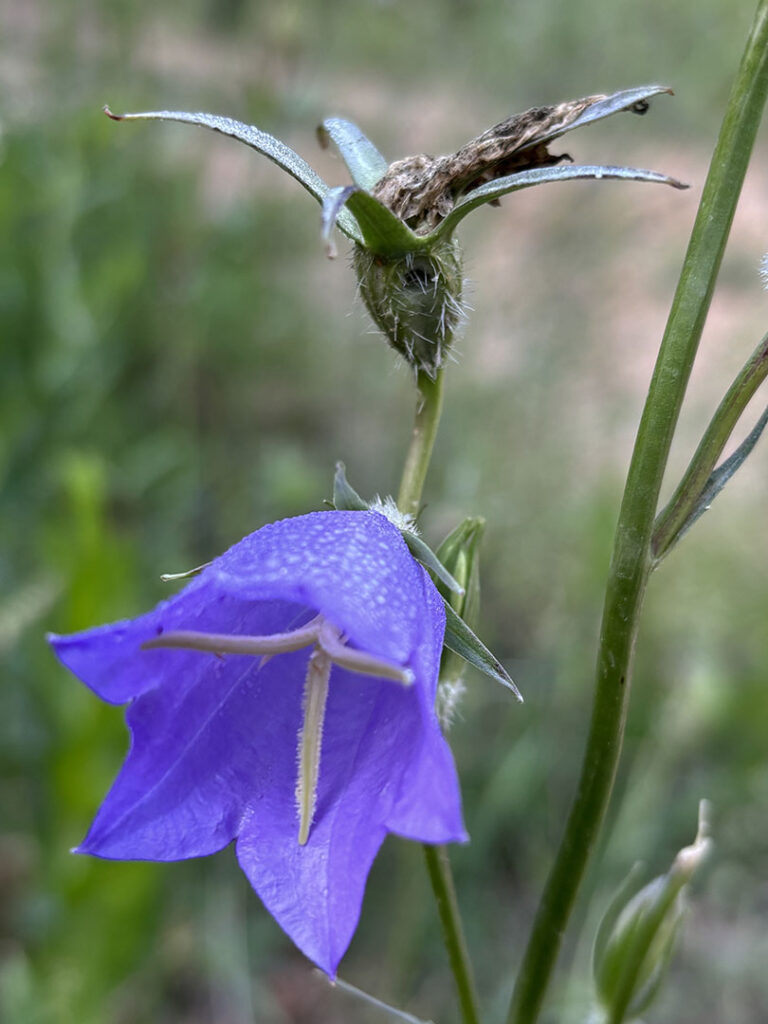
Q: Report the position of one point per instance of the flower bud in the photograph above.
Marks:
(460, 554)
(636, 937)
(415, 300)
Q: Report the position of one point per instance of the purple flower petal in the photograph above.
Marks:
(214, 739)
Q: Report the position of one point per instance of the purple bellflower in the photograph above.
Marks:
(285, 700)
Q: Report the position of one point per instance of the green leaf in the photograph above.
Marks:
(364, 162)
(345, 497)
(720, 477)
(262, 142)
(383, 232)
(424, 554)
(460, 639)
(537, 176)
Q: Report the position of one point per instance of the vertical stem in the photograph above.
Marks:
(441, 877)
(630, 565)
(428, 409)
(425, 424)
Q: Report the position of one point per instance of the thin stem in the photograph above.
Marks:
(428, 409)
(631, 562)
(673, 518)
(439, 868)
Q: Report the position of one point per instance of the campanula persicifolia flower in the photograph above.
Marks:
(283, 700)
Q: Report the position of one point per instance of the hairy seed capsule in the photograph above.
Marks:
(415, 300)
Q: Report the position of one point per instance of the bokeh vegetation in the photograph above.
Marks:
(179, 366)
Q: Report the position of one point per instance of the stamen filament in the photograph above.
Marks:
(227, 643)
(311, 739)
(329, 648)
(360, 661)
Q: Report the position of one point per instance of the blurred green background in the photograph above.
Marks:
(181, 364)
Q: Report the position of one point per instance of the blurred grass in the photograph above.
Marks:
(179, 366)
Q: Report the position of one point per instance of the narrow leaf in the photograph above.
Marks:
(424, 554)
(720, 477)
(537, 176)
(460, 639)
(345, 497)
(262, 142)
(364, 162)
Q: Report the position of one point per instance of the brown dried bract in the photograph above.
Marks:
(423, 189)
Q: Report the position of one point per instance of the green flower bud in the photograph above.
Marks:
(460, 554)
(636, 937)
(415, 300)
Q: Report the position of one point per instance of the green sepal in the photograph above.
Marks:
(424, 554)
(345, 497)
(383, 233)
(262, 142)
(494, 190)
(333, 204)
(364, 162)
(460, 639)
(460, 554)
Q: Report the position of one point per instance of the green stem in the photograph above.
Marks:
(439, 868)
(428, 409)
(631, 561)
(673, 518)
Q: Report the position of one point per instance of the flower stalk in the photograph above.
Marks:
(426, 421)
(429, 406)
(632, 562)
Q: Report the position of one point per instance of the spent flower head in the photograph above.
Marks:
(402, 216)
(284, 700)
